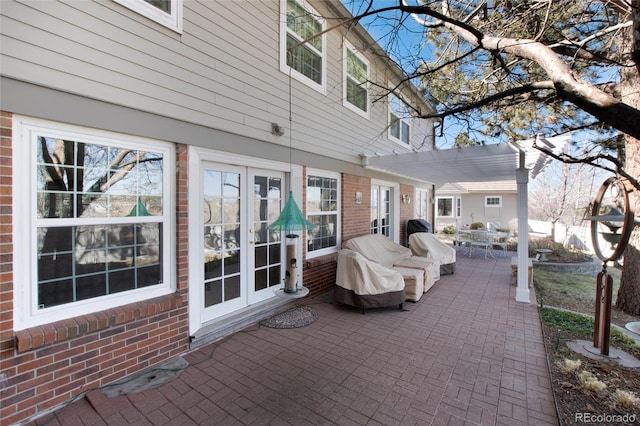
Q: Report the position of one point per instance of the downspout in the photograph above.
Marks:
(433, 209)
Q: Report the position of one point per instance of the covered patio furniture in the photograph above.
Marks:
(383, 251)
(427, 245)
(365, 284)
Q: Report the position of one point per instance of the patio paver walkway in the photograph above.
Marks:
(465, 354)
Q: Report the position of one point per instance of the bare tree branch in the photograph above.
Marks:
(593, 161)
(527, 88)
(569, 86)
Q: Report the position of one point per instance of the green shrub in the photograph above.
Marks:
(477, 225)
(449, 229)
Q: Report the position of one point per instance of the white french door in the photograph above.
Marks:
(266, 254)
(381, 209)
(241, 259)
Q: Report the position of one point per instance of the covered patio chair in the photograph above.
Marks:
(366, 284)
(427, 245)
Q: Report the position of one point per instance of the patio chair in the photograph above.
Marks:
(480, 239)
(427, 245)
(463, 238)
(366, 284)
(501, 239)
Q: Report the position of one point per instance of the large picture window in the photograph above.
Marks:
(164, 12)
(356, 93)
(98, 224)
(445, 206)
(305, 61)
(323, 210)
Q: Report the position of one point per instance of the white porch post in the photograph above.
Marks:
(522, 180)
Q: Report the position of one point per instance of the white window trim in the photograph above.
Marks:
(171, 20)
(26, 313)
(452, 215)
(322, 88)
(338, 212)
(486, 200)
(417, 195)
(408, 121)
(349, 47)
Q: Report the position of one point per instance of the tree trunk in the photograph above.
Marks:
(628, 299)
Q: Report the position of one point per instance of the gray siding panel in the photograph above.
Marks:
(222, 72)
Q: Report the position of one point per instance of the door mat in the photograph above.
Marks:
(293, 318)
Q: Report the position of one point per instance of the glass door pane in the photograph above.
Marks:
(381, 210)
(268, 270)
(222, 239)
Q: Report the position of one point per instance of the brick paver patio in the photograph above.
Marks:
(465, 354)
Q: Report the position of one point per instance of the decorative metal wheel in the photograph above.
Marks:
(612, 219)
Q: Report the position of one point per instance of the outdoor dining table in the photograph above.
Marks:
(480, 238)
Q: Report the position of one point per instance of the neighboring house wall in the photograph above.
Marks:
(475, 210)
(474, 207)
(216, 86)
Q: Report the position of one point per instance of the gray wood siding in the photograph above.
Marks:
(222, 72)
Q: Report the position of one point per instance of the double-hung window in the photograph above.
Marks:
(399, 120)
(356, 74)
(164, 12)
(323, 210)
(302, 54)
(422, 204)
(97, 223)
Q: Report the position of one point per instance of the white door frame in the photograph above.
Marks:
(198, 156)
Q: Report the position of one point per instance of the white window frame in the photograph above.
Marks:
(404, 118)
(421, 202)
(452, 206)
(488, 197)
(337, 212)
(284, 30)
(25, 131)
(171, 20)
(348, 47)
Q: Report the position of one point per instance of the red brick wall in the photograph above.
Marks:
(356, 217)
(46, 366)
(406, 211)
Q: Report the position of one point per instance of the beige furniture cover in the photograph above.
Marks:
(428, 245)
(413, 282)
(379, 249)
(365, 284)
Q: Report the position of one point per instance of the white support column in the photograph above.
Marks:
(522, 180)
